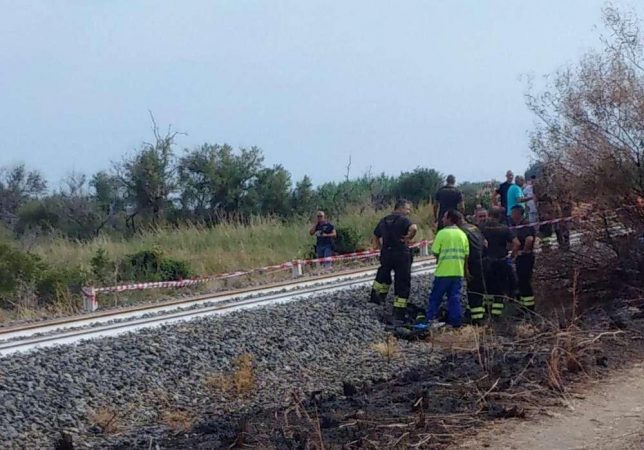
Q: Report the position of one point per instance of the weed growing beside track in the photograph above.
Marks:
(226, 247)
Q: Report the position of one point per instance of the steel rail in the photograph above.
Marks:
(71, 330)
(111, 329)
(15, 331)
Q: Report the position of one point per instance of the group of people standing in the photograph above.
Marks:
(492, 254)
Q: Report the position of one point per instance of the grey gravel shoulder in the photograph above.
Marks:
(157, 314)
(312, 345)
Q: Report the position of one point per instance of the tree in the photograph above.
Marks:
(592, 118)
(535, 169)
(197, 171)
(108, 198)
(149, 176)
(418, 186)
(216, 180)
(303, 198)
(381, 190)
(17, 187)
(475, 194)
(273, 188)
(72, 211)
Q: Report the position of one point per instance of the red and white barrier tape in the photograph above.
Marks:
(581, 216)
(165, 284)
(544, 222)
(90, 292)
(356, 255)
(344, 257)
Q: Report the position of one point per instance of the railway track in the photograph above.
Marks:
(73, 330)
(110, 323)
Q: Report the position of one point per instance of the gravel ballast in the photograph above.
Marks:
(316, 345)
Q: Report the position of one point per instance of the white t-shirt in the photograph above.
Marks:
(528, 191)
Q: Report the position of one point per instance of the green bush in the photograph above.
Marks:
(308, 251)
(151, 265)
(56, 285)
(172, 269)
(6, 235)
(17, 266)
(103, 268)
(348, 239)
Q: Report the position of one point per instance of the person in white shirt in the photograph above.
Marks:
(531, 205)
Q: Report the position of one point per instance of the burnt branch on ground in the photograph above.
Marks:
(513, 372)
(590, 320)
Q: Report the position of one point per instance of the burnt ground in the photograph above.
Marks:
(590, 323)
(510, 370)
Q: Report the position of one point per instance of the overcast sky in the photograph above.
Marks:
(395, 85)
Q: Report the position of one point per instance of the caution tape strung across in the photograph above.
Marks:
(580, 217)
(544, 222)
(91, 292)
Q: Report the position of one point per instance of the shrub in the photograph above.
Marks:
(103, 268)
(56, 285)
(172, 269)
(20, 269)
(151, 265)
(17, 266)
(309, 251)
(348, 239)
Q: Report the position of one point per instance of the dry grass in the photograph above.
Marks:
(24, 305)
(389, 349)
(525, 330)
(178, 420)
(222, 248)
(240, 381)
(463, 339)
(106, 418)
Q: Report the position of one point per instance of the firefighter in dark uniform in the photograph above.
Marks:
(525, 257)
(498, 273)
(392, 235)
(476, 288)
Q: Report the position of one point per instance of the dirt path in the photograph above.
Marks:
(611, 416)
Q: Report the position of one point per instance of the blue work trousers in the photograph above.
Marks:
(452, 287)
(324, 251)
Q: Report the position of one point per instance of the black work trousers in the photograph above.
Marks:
(525, 266)
(498, 277)
(499, 283)
(400, 262)
(476, 291)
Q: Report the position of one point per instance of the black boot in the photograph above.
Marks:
(400, 315)
(415, 314)
(377, 298)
